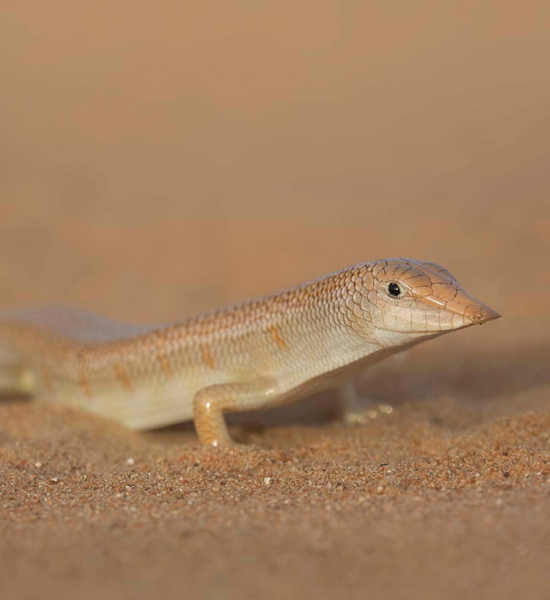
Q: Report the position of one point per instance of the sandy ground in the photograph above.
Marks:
(153, 165)
(448, 497)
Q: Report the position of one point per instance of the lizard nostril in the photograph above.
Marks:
(483, 314)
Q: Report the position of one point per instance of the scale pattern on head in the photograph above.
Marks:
(411, 299)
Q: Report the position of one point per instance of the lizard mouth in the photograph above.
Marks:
(476, 315)
(473, 315)
(467, 309)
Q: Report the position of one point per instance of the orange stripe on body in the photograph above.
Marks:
(161, 355)
(122, 376)
(277, 337)
(207, 357)
(84, 383)
(83, 380)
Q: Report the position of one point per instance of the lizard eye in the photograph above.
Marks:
(394, 290)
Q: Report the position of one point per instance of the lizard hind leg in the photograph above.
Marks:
(213, 401)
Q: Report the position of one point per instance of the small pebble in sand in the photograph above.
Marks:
(54, 480)
(130, 461)
(38, 464)
(267, 480)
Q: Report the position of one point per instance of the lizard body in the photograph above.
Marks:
(262, 353)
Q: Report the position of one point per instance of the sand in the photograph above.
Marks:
(446, 497)
(158, 164)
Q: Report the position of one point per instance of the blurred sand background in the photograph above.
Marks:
(161, 160)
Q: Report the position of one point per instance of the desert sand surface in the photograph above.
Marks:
(156, 162)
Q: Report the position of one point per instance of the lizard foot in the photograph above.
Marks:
(364, 415)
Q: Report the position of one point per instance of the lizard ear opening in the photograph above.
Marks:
(439, 269)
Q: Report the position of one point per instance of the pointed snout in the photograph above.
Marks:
(481, 313)
(450, 306)
(462, 311)
(463, 304)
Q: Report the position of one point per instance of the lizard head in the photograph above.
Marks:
(414, 299)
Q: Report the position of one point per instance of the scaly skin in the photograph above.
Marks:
(259, 354)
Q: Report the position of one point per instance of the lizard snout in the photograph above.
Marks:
(481, 314)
